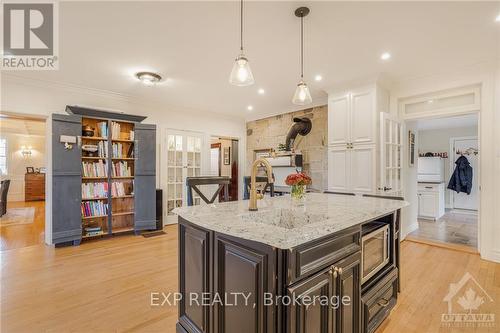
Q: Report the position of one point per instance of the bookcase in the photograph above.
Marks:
(117, 161)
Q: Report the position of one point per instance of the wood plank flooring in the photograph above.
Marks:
(22, 235)
(105, 286)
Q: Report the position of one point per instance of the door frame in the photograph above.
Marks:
(217, 146)
(452, 162)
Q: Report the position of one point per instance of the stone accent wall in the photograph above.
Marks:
(267, 133)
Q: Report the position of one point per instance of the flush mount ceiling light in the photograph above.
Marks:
(318, 77)
(261, 91)
(498, 18)
(302, 95)
(148, 78)
(241, 74)
(249, 108)
(385, 56)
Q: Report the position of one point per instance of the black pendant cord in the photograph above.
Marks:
(302, 47)
(241, 26)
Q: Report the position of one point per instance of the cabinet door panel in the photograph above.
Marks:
(428, 204)
(339, 169)
(338, 120)
(194, 270)
(348, 316)
(363, 117)
(316, 317)
(363, 169)
(249, 269)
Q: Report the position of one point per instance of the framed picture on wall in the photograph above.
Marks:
(411, 148)
(227, 155)
(30, 170)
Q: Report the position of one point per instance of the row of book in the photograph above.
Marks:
(94, 190)
(118, 151)
(102, 129)
(94, 169)
(121, 169)
(116, 132)
(94, 208)
(102, 149)
(118, 190)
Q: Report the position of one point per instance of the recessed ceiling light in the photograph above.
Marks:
(385, 56)
(249, 108)
(148, 78)
(498, 18)
(261, 91)
(318, 77)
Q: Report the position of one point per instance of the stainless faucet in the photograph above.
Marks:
(252, 205)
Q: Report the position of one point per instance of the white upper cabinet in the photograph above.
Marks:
(363, 117)
(338, 121)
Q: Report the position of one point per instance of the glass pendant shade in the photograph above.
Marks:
(302, 95)
(241, 75)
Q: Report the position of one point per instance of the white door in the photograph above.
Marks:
(338, 169)
(338, 120)
(362, 117)
(391, 140)
(462, 200)
(183, 160)
(363, 169)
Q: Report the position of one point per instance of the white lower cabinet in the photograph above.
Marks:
(430, 201)
(352, 169)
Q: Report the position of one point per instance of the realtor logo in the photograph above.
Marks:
(29, 35)
(465, 299)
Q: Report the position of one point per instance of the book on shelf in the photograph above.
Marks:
(94, 169)
(102, 149)
(121, 169)
(92, 229)
(94, 190)
(94, 208)
(115, 130)
(102, 129)
(117, 189)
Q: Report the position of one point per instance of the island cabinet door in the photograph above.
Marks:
(194, 278)
(244, 275)
(312, 304)
(347, 289)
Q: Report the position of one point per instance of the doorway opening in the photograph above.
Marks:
(22, 175)
(224, 162)
(447, 164)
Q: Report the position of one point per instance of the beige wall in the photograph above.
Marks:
(267, 133)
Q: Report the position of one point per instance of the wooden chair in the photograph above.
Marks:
(260, 179)
(341, 193)
(192, 183)
(4, 189)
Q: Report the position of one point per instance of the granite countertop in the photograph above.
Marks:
(280, 223)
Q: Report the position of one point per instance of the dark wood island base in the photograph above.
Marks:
(212, 263)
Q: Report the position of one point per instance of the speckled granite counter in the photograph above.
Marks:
(281, 224)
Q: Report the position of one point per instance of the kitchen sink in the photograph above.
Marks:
(283, 217)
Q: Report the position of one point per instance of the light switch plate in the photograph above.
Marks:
(67, 139)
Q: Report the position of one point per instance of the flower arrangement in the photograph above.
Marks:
(298, 178)
(298, 182)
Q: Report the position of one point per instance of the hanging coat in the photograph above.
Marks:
(461, 180)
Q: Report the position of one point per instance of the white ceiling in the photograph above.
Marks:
(193, 44)
(22, 126)
(449, 122)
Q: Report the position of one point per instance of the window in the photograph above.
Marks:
(3, 157)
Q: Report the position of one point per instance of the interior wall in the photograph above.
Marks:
(267, 133)
(409, 214)
(488, 77)
(17, 163)
(437, 141)
(47, 97)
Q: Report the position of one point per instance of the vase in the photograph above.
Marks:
(298, 194)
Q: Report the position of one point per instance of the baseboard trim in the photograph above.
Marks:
(493, 255)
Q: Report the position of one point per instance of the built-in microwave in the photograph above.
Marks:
(374, 250)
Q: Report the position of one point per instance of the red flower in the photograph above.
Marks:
(298, 178)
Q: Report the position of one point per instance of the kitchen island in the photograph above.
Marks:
(271, 270)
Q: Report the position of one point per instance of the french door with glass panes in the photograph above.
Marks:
(391, 139)
(183, 160)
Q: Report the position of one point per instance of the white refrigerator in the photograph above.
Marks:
(430, 169)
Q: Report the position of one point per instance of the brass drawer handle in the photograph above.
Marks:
(383, 302)
(333, 271)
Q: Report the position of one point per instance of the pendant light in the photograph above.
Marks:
(302, 95)
(241, 75)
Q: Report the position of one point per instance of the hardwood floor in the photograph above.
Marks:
(18, 236)
(105, 286)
